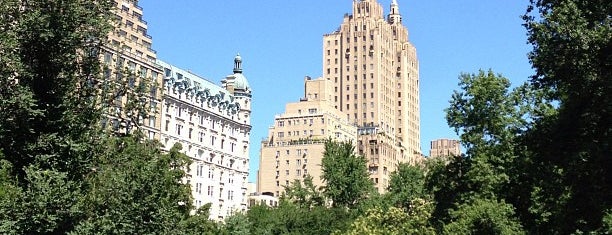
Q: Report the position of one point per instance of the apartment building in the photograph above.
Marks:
(129, 66)
(374, 74)
(296, 142)
(212, 123)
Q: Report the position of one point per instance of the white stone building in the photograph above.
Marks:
(212, 123)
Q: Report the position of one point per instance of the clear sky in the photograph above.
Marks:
(281, 42)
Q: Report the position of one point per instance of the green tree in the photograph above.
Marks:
(490, 118)
(304, 193)
(48, 112)
(199, 223)
(135, 188)
(394, 221)
(289, 218)
(237, 224)
(484, 216)
(570, 150)
(407, 183)
(345, 175)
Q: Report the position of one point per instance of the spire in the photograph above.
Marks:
(394, 14)
(238, 64)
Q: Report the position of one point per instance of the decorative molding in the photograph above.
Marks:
(221, 101)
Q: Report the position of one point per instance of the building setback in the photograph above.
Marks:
(375, 75)
(296, 142)
(128, 61)
(212, 123)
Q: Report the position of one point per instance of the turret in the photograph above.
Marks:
(238, 86)
(394, 15)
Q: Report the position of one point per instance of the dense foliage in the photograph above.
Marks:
(537, 157)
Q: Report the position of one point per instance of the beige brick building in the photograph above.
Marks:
(374, 73)
(128, 60)
(295, 144)
(444, 148)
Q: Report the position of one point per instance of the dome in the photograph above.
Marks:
(240, 82)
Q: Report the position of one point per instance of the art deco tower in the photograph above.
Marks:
(375, 74)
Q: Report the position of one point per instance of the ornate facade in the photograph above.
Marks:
(212, 123)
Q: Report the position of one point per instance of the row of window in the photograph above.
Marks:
(298, 162)
(297, 133)
(211, 174)
(211, 191)
(297, 151)
(203, 120)
(297, 122)
(298, 173)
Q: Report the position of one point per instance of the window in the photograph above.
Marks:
(178, 129)
(108, 57)
(199, 170)
(179, 111)
(199, 188)
(143, 72)
(153, 91)
(152, 121)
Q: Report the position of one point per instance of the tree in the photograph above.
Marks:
(490, 118)
(289, 218)
(345, 175)
(407, 183)
(394, 221)
(570, 150)
(484, 216)
(199, 223)
(237, 224)
(135, 188)
(306, 195)
(48, 114)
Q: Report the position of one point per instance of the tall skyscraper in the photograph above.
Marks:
(375, 75)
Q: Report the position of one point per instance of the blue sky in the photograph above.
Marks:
(280, 43)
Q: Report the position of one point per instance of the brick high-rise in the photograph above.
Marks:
(375, 73)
